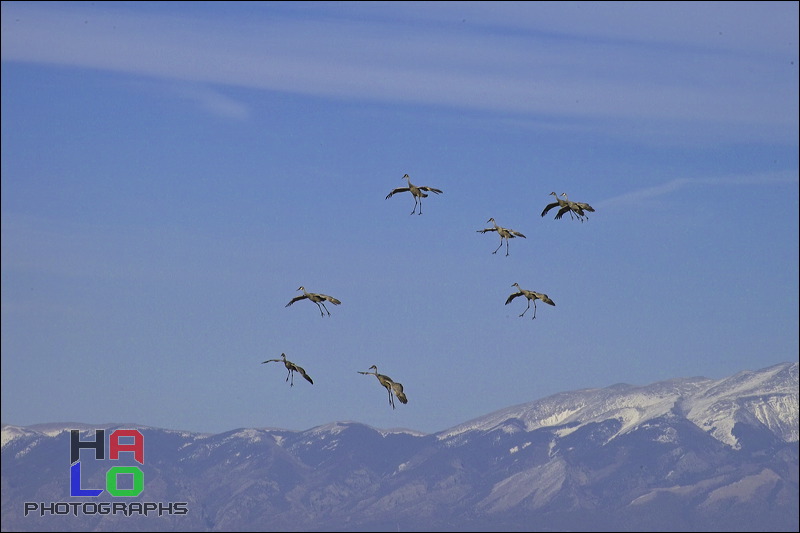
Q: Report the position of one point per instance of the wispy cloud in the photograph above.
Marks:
(539, 59)
(670, 187)
(213, 102)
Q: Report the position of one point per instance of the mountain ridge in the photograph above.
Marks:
(789, 389)
(686, 454)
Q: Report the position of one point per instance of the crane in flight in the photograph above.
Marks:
(578, 208)
(505, 234)
(316, 298)
(558, 203)
(291, 367)
(394, 388)
(416, 191)
(531, 296)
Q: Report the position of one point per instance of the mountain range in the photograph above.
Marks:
(686, 454)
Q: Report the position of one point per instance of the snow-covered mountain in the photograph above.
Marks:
(687, 454)
(768, 396)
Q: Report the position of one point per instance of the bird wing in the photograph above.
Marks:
(331, 299)
(295, 299)
(546, 299)
(586, 206)
(486, 229)
(518, 234)
(561, 212)
(302, 372)
(548, 207)
(431, 189)
(401, 189)
(271, 360)
(511, 297)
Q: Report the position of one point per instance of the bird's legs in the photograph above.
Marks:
(287, 378)
(417, 201)
(501, 244)
(320, 309)
(534, 309)
(526, 309)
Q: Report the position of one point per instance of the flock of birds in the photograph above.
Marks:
(576, 210)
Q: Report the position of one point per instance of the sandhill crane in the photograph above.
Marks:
(558, 203)
(390, 385)
(416, 191)
(505, 233)
(577, 207)
(316, 298)
(291, 367)
(531, 296)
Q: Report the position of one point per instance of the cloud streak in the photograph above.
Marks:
(505, 62)
(670, 187)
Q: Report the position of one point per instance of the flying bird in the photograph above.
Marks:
(316, 298)
(291, 367)
(505, 234)
(416, 191)
(558, 203)
(394, 388)
(578, 208)
(530, 296)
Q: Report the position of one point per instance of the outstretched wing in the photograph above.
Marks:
(302, 372)
(331, 299)
(562, 212)
(517, 234)
(513, 296)
(586, 207)
(431, 189)
(401, 189)
(548, 207)
(486, 229)
(546, 299)
(271, 361)
(296, 299)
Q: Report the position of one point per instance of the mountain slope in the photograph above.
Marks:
(678, 455)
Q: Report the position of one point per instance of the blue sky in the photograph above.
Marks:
(173, 171)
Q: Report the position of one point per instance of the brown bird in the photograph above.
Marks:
(416, 191)
(558, 203)
(578, 208)
(505, 234)
(316, 298)
(531, 296)
(291, 367)
(390, 385)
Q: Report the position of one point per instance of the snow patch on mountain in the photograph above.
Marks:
(769, 396)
